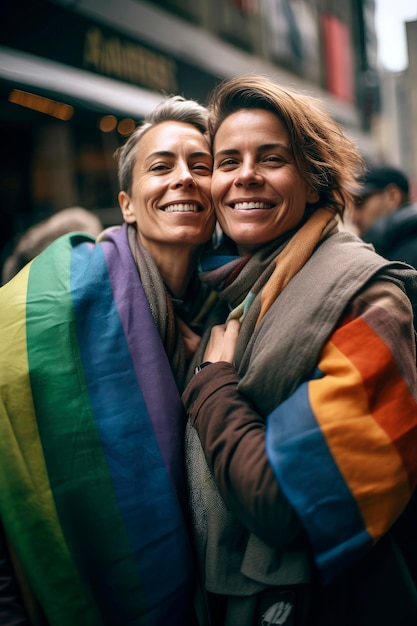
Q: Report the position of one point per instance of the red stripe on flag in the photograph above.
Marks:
(390, 401)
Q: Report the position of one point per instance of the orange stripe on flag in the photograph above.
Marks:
(390, 400)
(368, 461)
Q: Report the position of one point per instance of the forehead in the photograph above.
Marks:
(172, 137)
(258, 124)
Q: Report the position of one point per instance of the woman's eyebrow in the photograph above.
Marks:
(226, 152)
(160, 153)
(201, 154)
(262, 148)
(171, 155)
(274, 146)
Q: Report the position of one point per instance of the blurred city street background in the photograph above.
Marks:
(76, 76)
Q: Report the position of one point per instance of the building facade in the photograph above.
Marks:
(76, 76)
(395, 128)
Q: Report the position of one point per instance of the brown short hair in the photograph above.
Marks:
(328, 160)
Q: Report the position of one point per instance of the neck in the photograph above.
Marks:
(176, 264)
(176, 274)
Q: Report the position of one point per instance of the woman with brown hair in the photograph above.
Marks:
(304, 403)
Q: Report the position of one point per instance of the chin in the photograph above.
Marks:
(193, 238)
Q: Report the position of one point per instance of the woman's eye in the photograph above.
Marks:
(227, 163)
(275, 158)
(158, 167)
(202, 167)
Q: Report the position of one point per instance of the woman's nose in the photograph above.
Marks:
(184, 177)
(248, 174)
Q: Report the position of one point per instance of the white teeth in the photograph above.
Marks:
(245, 206)
(181, 208)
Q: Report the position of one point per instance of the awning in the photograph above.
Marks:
(103, 94)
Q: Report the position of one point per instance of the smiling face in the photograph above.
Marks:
(258, 192)
(170, 199)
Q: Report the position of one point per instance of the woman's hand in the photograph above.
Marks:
(222, 342)
(191, 339)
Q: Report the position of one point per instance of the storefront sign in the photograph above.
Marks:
(59, 34)
(115, 57)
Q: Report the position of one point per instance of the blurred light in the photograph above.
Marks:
(107, 123)
(42, 105)
(126, 126)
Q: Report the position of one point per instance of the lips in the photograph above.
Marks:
(250, 206)
(182, 207)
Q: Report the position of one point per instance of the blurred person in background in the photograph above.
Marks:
(384, 214)
(301, 444)
(95, 339)
(39, 236)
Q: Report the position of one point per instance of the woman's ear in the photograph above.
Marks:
(126, 207)
(393, 197)
(312, 195)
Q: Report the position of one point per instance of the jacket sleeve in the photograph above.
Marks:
(232, 435)
(12, 611)
(340, 449)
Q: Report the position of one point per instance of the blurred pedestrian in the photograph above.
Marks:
(39, 236)
(384, 214)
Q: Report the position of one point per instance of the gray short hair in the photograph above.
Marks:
(173, 108)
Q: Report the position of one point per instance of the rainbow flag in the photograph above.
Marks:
(342, 459)
(91, 430)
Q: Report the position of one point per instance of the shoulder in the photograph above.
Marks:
(385, 295)
(391, 230)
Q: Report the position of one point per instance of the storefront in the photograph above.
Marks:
(77, 76)
(71, 91)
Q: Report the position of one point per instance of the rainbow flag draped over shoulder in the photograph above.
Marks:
(91, 424)
(339, 398)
